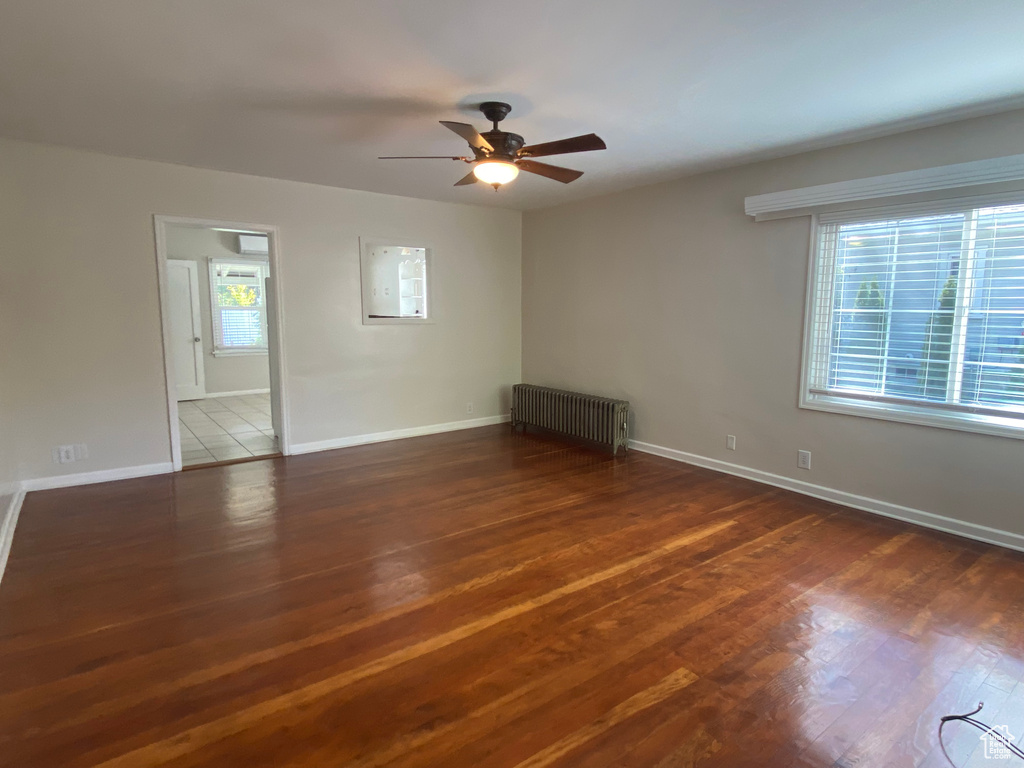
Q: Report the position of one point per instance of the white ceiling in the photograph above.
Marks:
(314, 90)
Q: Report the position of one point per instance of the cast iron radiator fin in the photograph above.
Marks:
(599, 419)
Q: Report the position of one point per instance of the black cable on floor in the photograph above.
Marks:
(988, 729)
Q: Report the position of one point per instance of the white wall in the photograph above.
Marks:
(8, 465)
(226, 373)
(10, 211)
(80, 273)
(670, 296)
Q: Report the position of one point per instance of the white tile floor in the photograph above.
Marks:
(225, 428)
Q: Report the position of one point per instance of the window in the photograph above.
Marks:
(238, 307)
(919, 316)
(395, 283)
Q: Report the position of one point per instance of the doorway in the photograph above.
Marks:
(221, 325)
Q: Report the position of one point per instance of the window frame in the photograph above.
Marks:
(366, 247)
(978, 419)
(218, 349)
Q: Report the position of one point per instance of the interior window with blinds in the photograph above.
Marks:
(921, 314)
(238, 307)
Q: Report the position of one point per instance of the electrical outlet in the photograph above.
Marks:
(803, 459)
(67, 454)
(469, 407)
(730, 442)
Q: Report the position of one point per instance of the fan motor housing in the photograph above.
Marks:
(505, 145)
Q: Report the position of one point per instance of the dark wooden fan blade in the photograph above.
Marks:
(564, 175)
(469, 133)
(587, 143)
(469, 178)
(422, 157)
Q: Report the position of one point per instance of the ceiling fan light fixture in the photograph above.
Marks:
(499, 156)
(495, 171)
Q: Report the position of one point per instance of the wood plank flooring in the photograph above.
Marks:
(487, 599)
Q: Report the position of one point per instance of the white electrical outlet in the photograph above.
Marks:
(469, 407)
(67, 454)
(803, 459)
(730, 442)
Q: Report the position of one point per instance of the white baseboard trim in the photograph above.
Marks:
(8, 521)
(236, 393)
(396, 434)
(100, 476)
(887, 509)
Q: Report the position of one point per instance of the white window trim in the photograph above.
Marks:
(796, 202)
(240, 351)
(215, 316)
(979, 420)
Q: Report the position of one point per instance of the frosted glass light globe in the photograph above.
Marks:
(495, 171)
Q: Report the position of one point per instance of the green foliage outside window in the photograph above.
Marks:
(938, 343)
(237, 296)
(869, 295)
(1016, 385)
(872, 325)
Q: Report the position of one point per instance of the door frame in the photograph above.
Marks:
(197, 324)
(276, 355)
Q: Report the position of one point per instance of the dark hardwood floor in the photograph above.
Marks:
(488, 599)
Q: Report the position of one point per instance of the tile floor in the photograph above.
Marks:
(225, 428)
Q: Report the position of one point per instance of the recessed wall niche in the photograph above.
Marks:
(395, 282)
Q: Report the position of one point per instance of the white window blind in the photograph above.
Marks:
(921, 314)
(238, 305)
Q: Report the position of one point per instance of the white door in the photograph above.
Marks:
(186, 343)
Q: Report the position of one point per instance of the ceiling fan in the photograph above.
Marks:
(499, 156)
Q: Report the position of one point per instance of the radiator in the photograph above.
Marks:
(600, 419)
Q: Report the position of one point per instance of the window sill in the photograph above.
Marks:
(982, 424)
(239, 352)
(382, 320)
